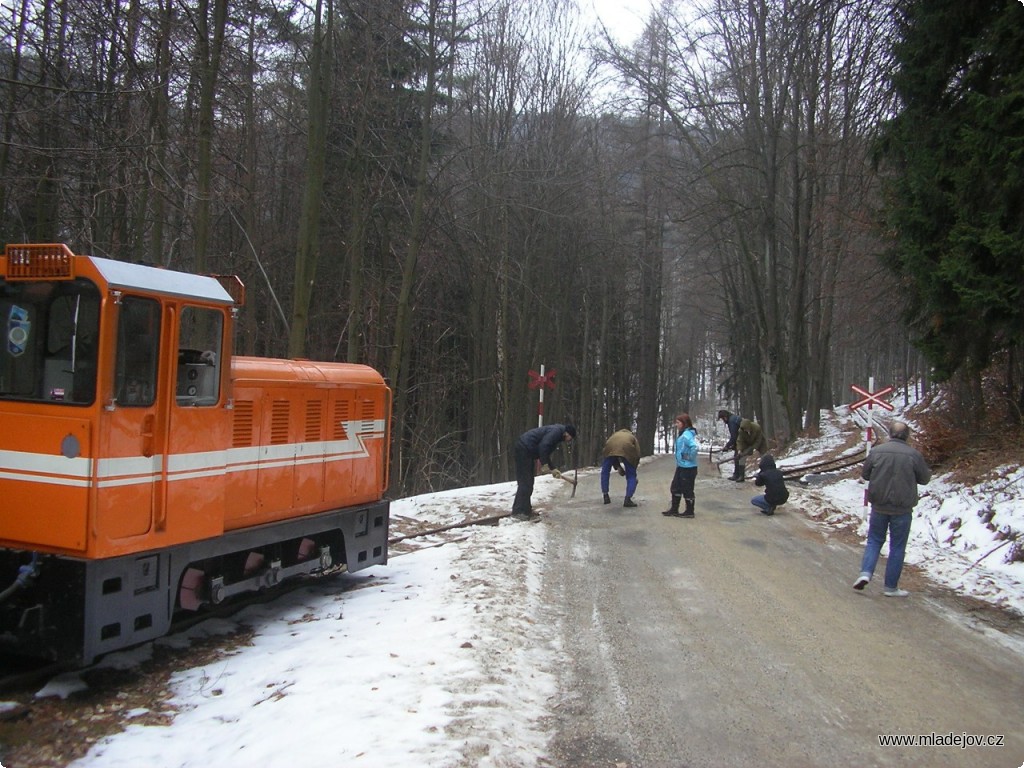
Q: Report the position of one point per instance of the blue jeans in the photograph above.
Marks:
(761, 503)
(606, 469)
(898, 528)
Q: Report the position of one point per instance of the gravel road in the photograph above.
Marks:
(735, 639)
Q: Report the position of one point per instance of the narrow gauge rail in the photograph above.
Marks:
(18, 673)
(836, 464)
(400, 544)
(802, 471)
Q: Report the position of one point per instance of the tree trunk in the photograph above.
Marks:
(308, 249)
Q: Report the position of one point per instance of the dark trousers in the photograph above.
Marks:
(524, 479)
(682, 483)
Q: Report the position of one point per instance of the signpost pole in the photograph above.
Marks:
(870, 398)
(541, 381)
(867, 431)
(540, 402)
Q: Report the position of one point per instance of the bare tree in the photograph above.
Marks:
(308, 248)
(769, 101)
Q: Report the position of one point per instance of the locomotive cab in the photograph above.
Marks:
(146, 470)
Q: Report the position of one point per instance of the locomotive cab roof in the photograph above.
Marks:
(56, 261)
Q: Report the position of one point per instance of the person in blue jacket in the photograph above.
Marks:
(685, 478)
(536, 445)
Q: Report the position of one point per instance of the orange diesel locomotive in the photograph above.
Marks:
(146, 470)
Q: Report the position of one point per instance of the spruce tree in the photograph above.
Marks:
(954, 160)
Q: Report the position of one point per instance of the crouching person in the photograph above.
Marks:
(775, 491)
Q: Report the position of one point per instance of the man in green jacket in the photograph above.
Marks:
(745, 437)
(621, 451)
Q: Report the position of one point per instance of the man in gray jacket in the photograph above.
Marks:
(893, 471)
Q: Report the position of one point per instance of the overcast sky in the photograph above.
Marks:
(624, 18)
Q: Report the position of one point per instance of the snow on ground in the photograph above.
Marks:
(446, 656)
(962, 536)
(441, 658)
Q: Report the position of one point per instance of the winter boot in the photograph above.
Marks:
(629, 502)
(607, 499)
(673, 511)
(689, 509)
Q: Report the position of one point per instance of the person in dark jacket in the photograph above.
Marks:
(536, 445)
(775, 492)
(732, 423)
(621, 453)
(893, 471)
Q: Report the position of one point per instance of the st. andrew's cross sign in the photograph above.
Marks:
(871, 398)
(539, 381)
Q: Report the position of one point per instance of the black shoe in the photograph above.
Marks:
(525, 516)
(671, 513)
(686, 514)
(629, 502)
(607, 499)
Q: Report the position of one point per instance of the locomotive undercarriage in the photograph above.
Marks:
(74, 610)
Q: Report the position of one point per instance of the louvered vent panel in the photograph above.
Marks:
(242, 430)
(367, 415)
(341, 417)
(279, 416)
(314, 419)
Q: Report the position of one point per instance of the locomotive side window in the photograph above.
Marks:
(138, 344)
(199, 358)
(51, 330)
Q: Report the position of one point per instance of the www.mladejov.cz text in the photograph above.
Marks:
(962, 740)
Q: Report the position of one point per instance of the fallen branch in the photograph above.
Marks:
(994, 549)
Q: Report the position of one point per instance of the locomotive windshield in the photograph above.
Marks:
(50, 335)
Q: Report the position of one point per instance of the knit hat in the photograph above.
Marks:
(570, 430)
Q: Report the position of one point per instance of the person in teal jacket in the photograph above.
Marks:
(686, 468)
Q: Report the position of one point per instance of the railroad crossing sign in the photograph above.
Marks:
(871, 398)
(538, 380)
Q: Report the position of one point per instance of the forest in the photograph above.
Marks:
(753, 205)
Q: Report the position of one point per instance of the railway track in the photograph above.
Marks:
(806, 474)
(20, 674)
(408, 535)
(414, 534)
